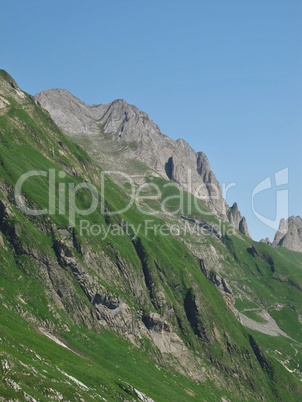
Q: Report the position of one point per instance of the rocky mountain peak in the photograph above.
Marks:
(237, 220)
(73, 115)
(289, 234)
(132, 132)
(125, 121)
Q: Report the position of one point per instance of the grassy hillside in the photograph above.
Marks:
(97, 309)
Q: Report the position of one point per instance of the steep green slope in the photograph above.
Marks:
(267, 284)
(127, 297)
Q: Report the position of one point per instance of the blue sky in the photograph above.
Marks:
(223, 75)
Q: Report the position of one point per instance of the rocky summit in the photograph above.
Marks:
(289, 234)
(237, 220)
(123, 128)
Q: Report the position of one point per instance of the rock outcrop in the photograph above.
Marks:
(237, 220)
(289, 234)
(124, 126)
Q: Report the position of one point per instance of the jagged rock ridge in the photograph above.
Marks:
(289, 234)
(237, 219)
(175, 160)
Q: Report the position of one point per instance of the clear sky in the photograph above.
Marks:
(225, 75)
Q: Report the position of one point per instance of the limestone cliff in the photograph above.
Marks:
(237, 219)
(289, 234)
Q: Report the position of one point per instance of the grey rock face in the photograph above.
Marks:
(125, 127)
(70, 113)
(243, 228)
(289, 234)
(237, 220)
(212, 185)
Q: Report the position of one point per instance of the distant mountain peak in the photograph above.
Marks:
(289, 234)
